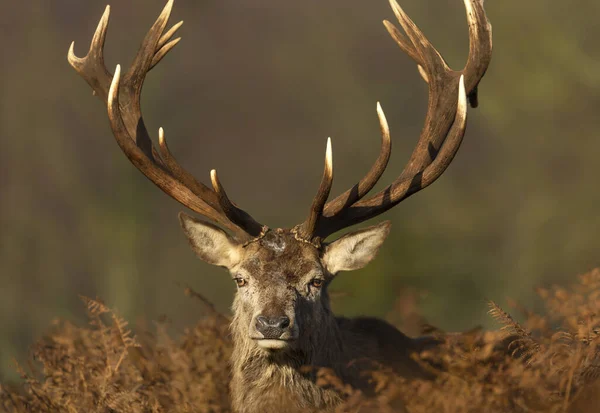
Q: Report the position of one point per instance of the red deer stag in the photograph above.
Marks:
(282, 317)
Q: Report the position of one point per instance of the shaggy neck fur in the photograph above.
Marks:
(261, 379)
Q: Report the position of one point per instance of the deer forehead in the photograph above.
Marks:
(280, 256)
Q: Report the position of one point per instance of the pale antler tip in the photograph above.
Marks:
(385, 129)
(161, 136)
(100, 33)
(214, 180)
(461, 85)
(462, 97)
(105, 16)
(397, 9)
(115, 83)
(113, 91)
(168, 7)
(423, 73)
(389, 26)
(329, 156)
(71, 52)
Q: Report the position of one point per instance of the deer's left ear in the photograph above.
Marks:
(355, 250)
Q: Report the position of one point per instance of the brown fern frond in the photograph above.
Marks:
(508, 323)
(94, 306)
(522, 343)
(123, 335)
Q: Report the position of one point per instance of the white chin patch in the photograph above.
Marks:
(272, 344)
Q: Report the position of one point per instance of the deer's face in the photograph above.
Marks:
(282, 281)
(281, 286)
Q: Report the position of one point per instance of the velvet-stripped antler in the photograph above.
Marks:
(122, 98)
(440, 138)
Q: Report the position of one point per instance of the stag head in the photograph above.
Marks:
(281, 279)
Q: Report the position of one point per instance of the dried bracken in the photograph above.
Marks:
(547, 363)
(104, 368)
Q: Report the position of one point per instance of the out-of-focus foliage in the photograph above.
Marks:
(548, 364)
(253, 90)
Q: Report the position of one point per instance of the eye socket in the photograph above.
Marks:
(240, 282)
(316, 282)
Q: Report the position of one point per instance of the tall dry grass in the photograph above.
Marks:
(548, 363)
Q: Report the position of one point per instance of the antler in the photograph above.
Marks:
(440, 138)
(122, 98)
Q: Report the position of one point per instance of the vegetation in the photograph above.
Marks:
(548, 363)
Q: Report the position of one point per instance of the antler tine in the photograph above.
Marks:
(91, 67)
(404, 43)
(183, 175)
(233, 213)
(444, 123)
(430, 59)
(367, 183)
(168, 35)
(150, 46)
(307, 229)
(124, 111)
(164, 50)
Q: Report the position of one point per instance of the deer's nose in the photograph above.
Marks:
(272, 327)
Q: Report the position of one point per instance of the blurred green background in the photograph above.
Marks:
(253, 90)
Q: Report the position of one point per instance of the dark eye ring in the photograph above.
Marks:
(316, 282)
(240, 282)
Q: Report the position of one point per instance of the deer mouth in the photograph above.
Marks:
(273, 343)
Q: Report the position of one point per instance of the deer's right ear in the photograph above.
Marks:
(210, 243)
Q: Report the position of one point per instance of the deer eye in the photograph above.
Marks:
(316, 282)
(241, 282)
